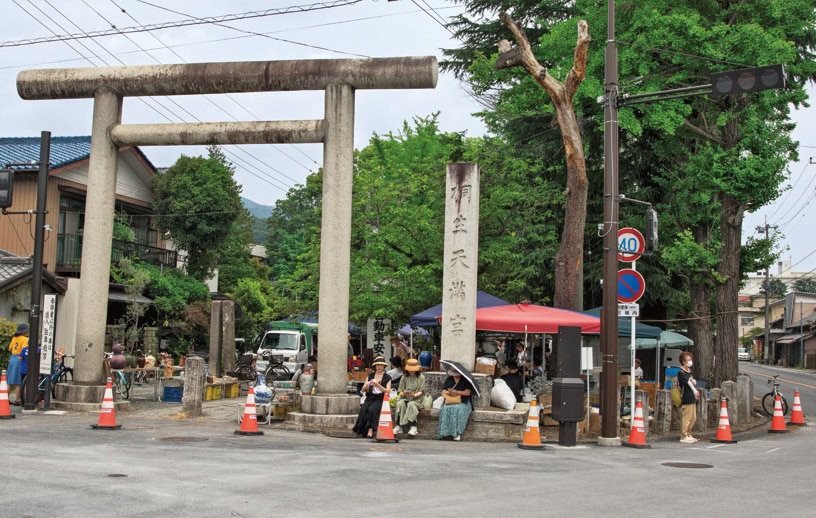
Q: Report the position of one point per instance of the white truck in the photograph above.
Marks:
(289, 343)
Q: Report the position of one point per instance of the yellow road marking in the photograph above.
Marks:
(794, 383)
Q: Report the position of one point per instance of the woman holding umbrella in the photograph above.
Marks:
(456, 410)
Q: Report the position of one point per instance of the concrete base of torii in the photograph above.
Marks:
(83, 398)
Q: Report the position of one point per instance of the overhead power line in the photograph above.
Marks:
(182, 23)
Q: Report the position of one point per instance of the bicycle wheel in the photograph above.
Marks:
(768, 404)
(278, 372)
(125, 384)
(61, 378)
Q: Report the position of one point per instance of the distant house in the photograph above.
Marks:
(67, 185)
(62, 254)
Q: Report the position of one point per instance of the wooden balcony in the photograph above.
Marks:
(69, 253)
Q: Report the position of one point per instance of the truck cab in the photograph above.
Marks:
(291, 341)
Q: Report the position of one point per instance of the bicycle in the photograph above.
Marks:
(59, 373)
(276, 370)
(769, 399)
(119, 379)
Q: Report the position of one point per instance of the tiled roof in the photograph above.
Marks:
(64, 150)
(14, 269)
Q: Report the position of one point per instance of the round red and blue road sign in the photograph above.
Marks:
(631, 285)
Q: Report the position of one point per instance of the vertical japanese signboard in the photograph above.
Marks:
(461, 264)
(47, 341)
(379, 337)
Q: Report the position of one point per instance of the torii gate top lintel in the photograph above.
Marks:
(229, 77)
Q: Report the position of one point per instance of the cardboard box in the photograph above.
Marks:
(484, 368)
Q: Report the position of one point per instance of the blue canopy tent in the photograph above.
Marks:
(428, 318)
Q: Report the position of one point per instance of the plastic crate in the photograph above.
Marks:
(231, 390)
(172, 394)
(212, 392)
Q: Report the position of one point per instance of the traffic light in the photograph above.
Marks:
(744, 80)
(651, 230)
(6, 182)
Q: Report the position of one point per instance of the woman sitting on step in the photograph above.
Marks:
(411, 392)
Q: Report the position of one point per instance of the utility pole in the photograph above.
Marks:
(36, 275)
(609, 314)
(801, 336)
(769, 354)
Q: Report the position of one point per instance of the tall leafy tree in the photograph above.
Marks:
(805, 285)
(197, 201)
(704, 161)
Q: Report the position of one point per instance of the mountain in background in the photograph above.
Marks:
(259, 214)
(256, 209)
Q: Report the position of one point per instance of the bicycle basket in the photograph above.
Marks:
(246, 359)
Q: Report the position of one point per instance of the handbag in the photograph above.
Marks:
(676, 394)
(452, 400)
(427, 401)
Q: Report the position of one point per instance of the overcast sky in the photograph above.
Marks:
(366, 28)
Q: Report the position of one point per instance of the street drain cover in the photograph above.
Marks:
(689, 465)
(117, 475)
(181, 439)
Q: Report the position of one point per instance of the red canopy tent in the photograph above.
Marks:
(529, 318)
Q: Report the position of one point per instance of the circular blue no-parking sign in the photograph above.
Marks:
(631, 285)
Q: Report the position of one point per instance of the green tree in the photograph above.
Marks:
(197, 200)
(706, 160)
(774, 288)
(292, 249)
(234, 254)
(805, 285)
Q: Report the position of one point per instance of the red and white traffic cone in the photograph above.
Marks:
(778, 422)
(531, 440)
(637, 435)
(724, 427)
(5, 409)
(107, 414)
(385, 427)
(249, 423)
(797, 417)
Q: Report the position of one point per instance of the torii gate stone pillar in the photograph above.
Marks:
(108, 86)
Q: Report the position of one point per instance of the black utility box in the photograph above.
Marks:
(568, 400)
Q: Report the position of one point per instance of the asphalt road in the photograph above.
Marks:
(790, 380)
(55, 465)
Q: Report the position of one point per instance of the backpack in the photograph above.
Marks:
(676, 393)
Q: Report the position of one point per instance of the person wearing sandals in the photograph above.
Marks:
(14, 375)
(377, 385)
(689, 399)
(453, 416)
(411, 391)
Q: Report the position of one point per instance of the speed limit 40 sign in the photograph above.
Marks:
(631, 244)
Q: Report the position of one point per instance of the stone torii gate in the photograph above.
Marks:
(108, 86)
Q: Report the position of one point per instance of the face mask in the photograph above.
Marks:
(689, 363)
(452, 373)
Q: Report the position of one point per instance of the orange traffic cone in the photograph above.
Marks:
(5, 409)
(531, 440)
(249, 423)
(724, 428)
(778, 422)
(797, 417)
(637, 435)
(107, 414)
(385, 427)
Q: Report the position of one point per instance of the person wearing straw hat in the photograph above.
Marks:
(411, 391)
(14, 374)
(375, 387)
